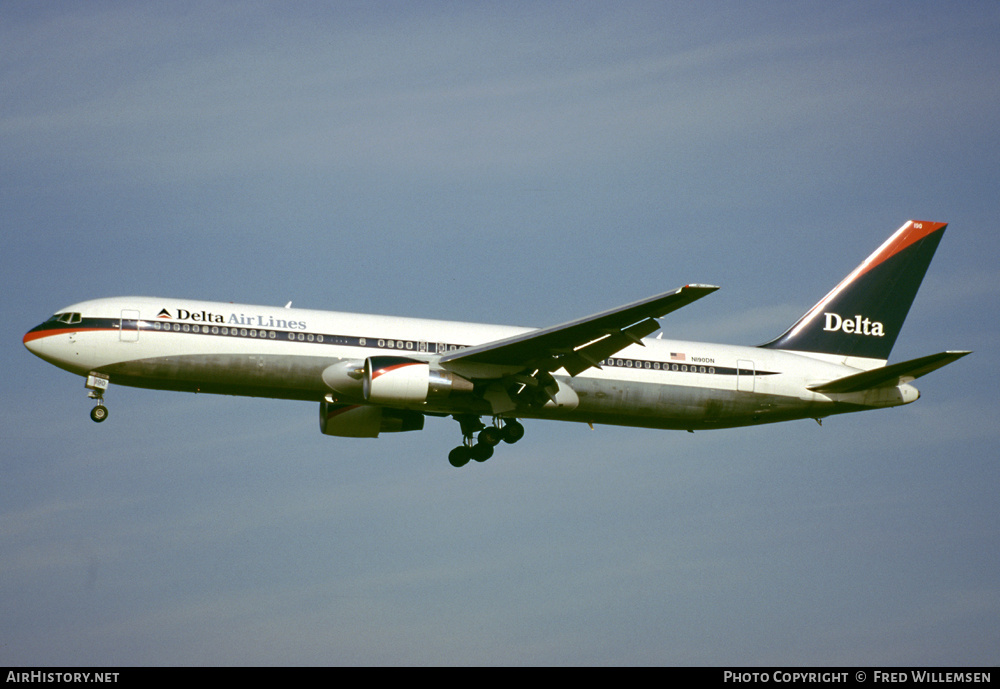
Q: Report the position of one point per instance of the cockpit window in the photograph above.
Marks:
(67, 318)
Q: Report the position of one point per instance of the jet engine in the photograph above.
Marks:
(365, 421)
(401, 380)
(345, 377)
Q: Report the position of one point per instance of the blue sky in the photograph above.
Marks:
(521, 163)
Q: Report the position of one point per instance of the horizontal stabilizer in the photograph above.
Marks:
(892, 375)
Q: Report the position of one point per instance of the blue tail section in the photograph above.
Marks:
(862, 316)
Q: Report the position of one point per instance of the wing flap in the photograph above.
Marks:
(590, 355)
(582, 343)
(892, 375)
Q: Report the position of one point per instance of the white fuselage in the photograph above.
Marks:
(213, 347)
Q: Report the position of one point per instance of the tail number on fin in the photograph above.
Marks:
(856, 326)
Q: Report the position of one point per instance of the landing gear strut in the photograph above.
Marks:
(97, 383)
(489, 437)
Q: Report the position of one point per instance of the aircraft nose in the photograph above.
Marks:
(31, 340)
(35, 341)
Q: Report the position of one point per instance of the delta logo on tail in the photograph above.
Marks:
(856, 326)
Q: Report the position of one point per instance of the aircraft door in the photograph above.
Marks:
(745, 375)
(128, 330)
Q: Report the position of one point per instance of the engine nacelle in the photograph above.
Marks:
(365, 421)
(345, 377)
(401, 380)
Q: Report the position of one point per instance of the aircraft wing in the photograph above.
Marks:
(894, 374)
(580, 344)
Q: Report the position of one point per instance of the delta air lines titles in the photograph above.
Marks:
(233, 319)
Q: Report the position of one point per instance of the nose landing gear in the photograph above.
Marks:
(489, 437)
(97, 383)
(99, 412)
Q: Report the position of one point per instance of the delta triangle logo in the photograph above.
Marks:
(164, 314)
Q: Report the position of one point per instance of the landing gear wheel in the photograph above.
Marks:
(460, 456)
(491, 436)
(512, 432)
(481, 452)
(99, 413)
(482, 447)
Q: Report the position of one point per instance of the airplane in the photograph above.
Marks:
(378, 374)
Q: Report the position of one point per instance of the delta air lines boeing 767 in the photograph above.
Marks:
(373, 374)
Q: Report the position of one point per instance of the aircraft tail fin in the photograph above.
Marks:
(862, 316)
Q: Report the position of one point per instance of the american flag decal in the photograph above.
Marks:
(676, 356)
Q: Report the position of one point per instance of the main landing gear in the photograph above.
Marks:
(489, 437)
(97, 383)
